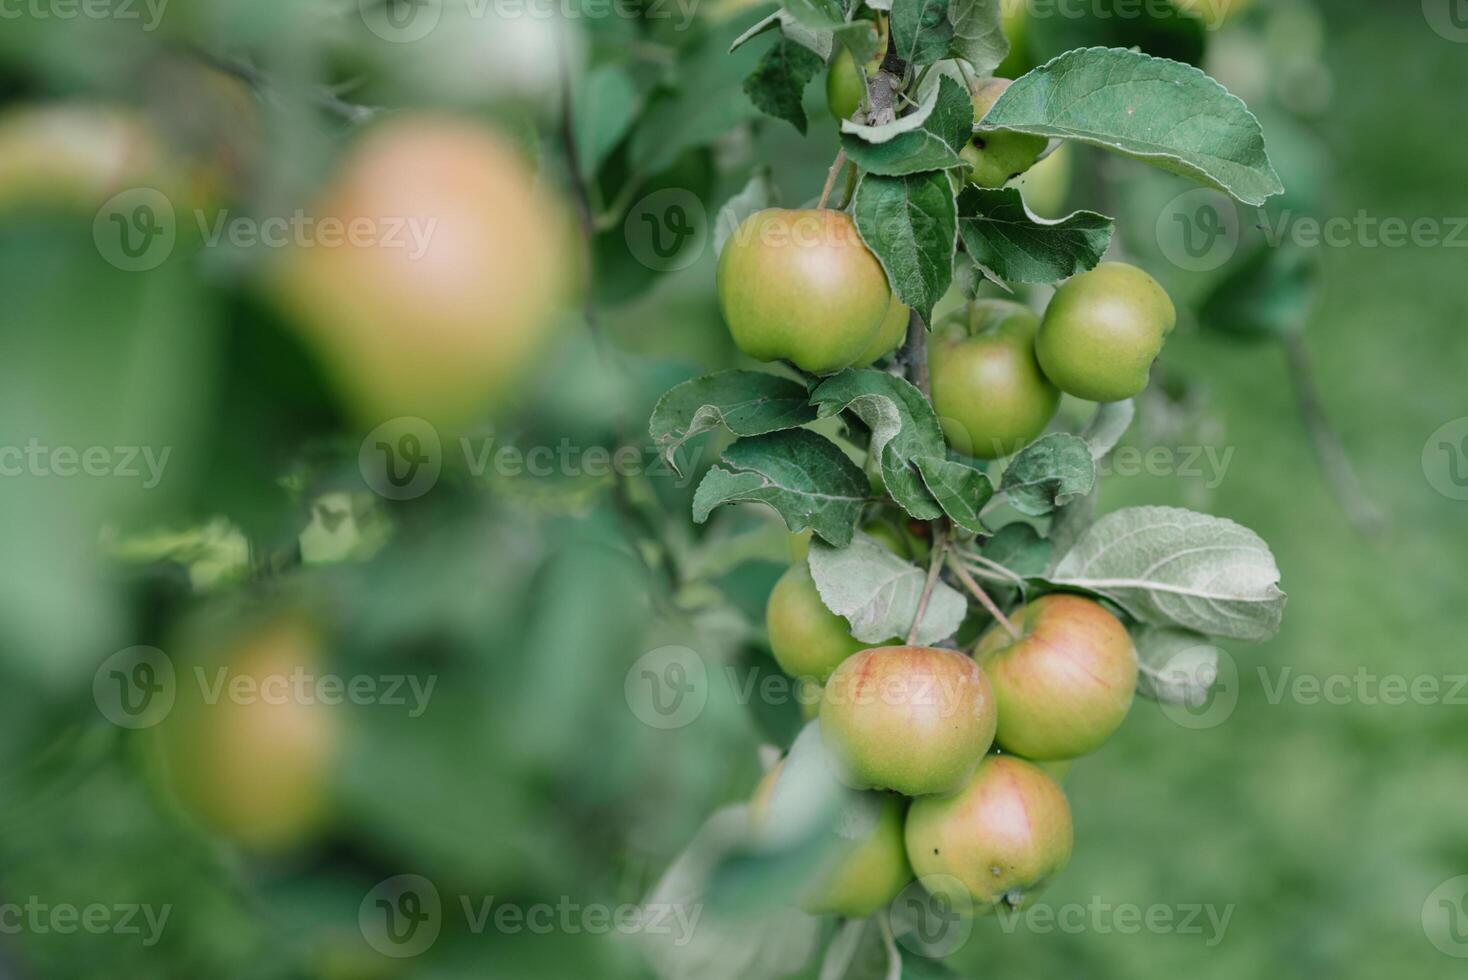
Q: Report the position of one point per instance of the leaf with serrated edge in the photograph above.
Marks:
(1107, 426)
(903, 426)
(1161, 112)
(748, 403)
(1175, 666)
(1019, 548)
(1173, 567)
(821, 42)
(1004, 237)
(1048, 473)
(921, 30)
(933, 146)
(878, 592)
(911, 225)
(777, 84)
(807, 480)
(960, 490)
(978, 33)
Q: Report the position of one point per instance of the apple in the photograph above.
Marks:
(1102, 331)
(910, 719)
(863, 875)
(845, 88)
(802, 286)
(1066, 684)
(807, 639)
(254, 766)
(996, 158)
(990, 395)
(440, 301)
(78, 155)
(1003, 836)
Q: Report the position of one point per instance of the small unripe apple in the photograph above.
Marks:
(253, 762)
(802, 286)
(807, 639)
(1066, 684)
(1102, 331)
(911, 719)
(845, 90)
(994, 159)
(862, 875)
(991, 397)
(451, 277)
(1003, 836)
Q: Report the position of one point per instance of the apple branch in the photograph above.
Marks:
(978, 593)
(940, 543)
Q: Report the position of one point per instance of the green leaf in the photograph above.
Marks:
(933, 146)
(904, 429)
(978, 33)
(1048, 473)
(911, 224)
(1268, 294)
(1175, 666)
(819, 41)
(1019, 548)
(777, 84)
(817, 13)
(1013, 244)
(927, 100)
(862, 949)
(960, 490)
(607, 104)
(921, 31)
(698, 110)
(1160, 112)
(754, 947)
(747, 403)
(805, 478)
(878, 592)
(1172, 567)
(758, 194)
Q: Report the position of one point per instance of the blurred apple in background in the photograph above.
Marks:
(441, 301)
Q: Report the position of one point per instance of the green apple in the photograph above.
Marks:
(802, 286)
(449, 287)
(991, 397)
(1046, 186)
(845, 89)
(996, 158)
(808, 639)
(911, 719)
(1002, 837)
(1066, 684)
(254, 766)
(891, 336)
(864, 874)
(1102, 331)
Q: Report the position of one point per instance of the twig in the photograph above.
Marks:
(995, 572)
(835, 171)
(260, 82)
(1331, 454)
(934, 567)
(978, 593)
(914, 355)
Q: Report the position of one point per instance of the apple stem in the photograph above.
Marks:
(835, 171)
(978, 593)
(934, 567)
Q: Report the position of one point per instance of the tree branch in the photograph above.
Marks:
(940, 543)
